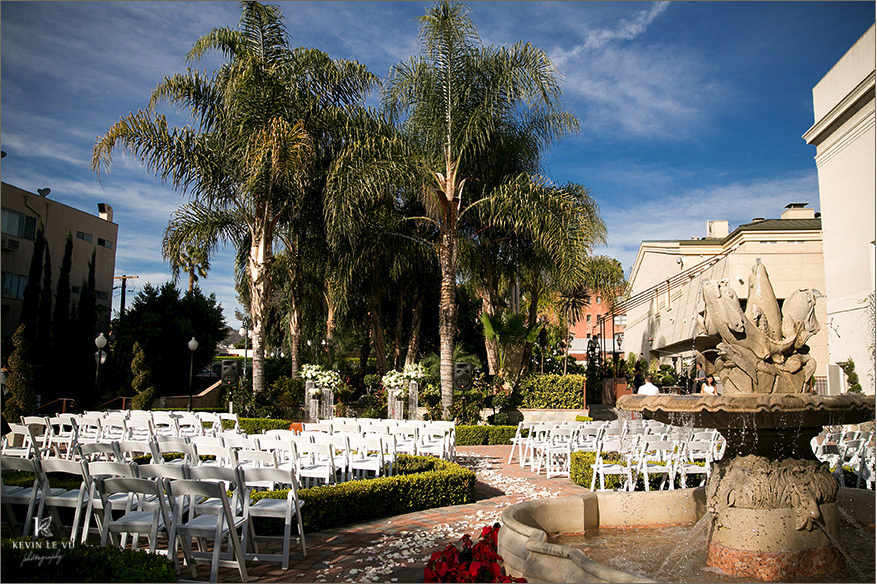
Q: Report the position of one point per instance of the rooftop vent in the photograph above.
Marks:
(105, 211)
(757, 219)
(798, 211)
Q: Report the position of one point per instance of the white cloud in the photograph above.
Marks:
(627, 29)
(683, 214)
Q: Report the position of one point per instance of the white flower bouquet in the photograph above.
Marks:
(323, 379)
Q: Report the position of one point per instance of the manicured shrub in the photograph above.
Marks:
(30, 560)
(580, 470)
(481, 435)
(258, 425)
(553, 392)
(357, 501)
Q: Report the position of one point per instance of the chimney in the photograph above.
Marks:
(798, 211)
(105, 212)
(716, 229)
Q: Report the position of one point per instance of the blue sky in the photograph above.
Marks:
(690, 111)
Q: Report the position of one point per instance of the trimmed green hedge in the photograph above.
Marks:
(30, 560)
(580, 471)
(553, 392)
(480, 435)
(257, 425)
(444, 484)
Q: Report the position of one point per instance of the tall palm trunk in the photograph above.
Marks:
(447, 319)
(260, 288)
(378, 329)
(489, 305)
(294, 323)
(414, 339)
(397, 334)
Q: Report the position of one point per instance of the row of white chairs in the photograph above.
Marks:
(59, 434)
(185, 502)
(854, 450)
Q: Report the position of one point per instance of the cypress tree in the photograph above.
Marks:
(62, 298)
(21, 400)
(30, 306)
(44, 323)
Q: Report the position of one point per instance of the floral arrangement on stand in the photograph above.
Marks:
(400, 379)
(324, 379)
(477, 562)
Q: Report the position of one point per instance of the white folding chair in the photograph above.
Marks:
(229, 423)
(14, 495)
(102, 469)
(216, 526)
(146, 509)
(249, 458)
(657, 457)
(317, 463)
(222, 456)
(53, 499)
(89, 428)
(434, 441)
(19, 442)
(41, 431)
(272, 478)
(695, 458)
(519, 440)
(603, 468)
(557, 452)
(174, 445)
(366, 456)
(129, 450)
(64, 431)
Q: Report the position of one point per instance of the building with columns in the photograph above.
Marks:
(843, 134)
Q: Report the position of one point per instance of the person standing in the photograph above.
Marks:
(699, 378)
(648, 388)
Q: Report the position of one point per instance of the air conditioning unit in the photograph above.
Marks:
(10, 244)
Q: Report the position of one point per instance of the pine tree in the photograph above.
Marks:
(142, 383)
(21, 400)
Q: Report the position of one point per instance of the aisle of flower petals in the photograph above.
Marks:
(407, 541)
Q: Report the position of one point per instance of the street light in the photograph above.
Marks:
(100, 357)
(193, 344)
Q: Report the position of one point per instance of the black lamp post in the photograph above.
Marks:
(100, 357)
(193, 345)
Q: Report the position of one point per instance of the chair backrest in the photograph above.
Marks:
(103, 469)
(259, 457)
(206, 440)
(269, 478)
(19, 433)
(229, 478)
(17, 464)
(247, 443)
(92, 451)
(316, 427)
(222, 455)
(233, 420)
(280, 434)
(57, 466)
(128, 450)
(172, 472)
(166, 444)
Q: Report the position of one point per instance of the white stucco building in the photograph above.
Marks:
(843, 133)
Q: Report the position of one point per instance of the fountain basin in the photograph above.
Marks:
(523, 539)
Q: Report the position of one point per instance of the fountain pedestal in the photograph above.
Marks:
(774, 504)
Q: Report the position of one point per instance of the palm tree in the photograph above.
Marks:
(246, 158)
(191, 260)
(455, 97)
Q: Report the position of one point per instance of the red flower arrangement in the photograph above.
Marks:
(473, 563)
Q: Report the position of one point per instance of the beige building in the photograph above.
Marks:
(843, 133)
(666, 281)
(22, 212)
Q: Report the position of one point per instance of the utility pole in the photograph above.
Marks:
(124, 278)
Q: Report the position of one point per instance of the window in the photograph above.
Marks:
(588, 318)
(84, 236)
(621, 320)
(14, 285)
(19, 225)
(104, 243)
(589, 335)
(101, 295)
(599, 300)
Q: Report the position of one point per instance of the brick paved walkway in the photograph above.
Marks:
(395, 549)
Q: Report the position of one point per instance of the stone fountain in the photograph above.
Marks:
(773, 506)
